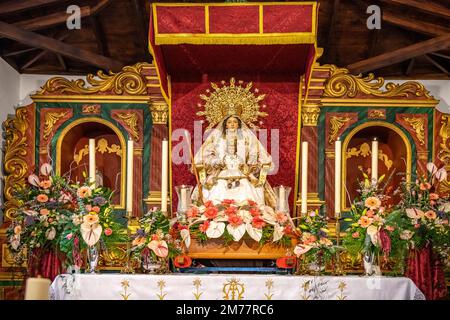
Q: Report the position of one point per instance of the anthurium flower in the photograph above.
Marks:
(431, 167)
(441, 174)
(372, 231)
(237, 231)
(253, 232)
(186, 237)
(414, 213)
(33, 180)
(278, 232)
(46, 169)
(91, 232)
(301, 249)
(215, 229)
(159, 247)
(406, 234)
(50, 233)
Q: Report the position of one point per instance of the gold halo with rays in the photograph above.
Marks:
(232, 99)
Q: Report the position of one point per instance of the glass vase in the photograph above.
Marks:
(371, 266)
(93, 256)
(184, 193)
(282, 198)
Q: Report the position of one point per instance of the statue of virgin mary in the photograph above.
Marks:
(232, 163)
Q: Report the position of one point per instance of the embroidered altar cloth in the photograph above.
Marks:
(231, 287)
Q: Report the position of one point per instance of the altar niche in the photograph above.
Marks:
(394, 158)
(110, 156)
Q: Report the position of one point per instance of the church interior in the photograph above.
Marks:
(231, 150)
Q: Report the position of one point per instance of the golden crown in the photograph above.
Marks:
(233, 100)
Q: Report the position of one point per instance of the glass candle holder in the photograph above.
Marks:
(282, 197)
(184, 193)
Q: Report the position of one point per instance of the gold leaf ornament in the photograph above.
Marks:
(232, 99)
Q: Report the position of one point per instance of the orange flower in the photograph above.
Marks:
(254, 212)
(227, 202)
(281, 217)
(96, 209)
(204, 226)
(365, 221)
(430, 214)
(42, 198)
(235, 220)
(231, 210)
(84, 192)
(425, 186)
(434, 196)
(90, 218)
(258, 223)
(138, 241)
(44, 211)
(192, 212)
(45, 184)
(372, 203)
(369, 213)
(211, 212)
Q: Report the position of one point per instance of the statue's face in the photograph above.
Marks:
(232, 123)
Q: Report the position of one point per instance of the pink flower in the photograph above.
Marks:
(227, 202)
(369, 213)
(235, 220)
(390, 228)
(96, 209)
(445, 221)
(355, 234)
(258, 223)
(231, 210)
(88, 207)
(44, 212)
(209, 203)
(425, 186)
(108, 232)
(192, 212)
(69, 236)
(281, 217)
(204, 226)
(254, 212)
(434, 196)
(417, 225)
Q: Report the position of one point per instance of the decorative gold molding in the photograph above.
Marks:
(376, 114)
(444, 152)
(418, 125)
(131, 120)
(336, 123)
(91, 109)
(343, 84)
(159, 112)
(50, 119)
(8, 258)
(154, 198)
(102, 147)
(129, 81)
(364, 150)
(330, 154)
(310, 115)
(422, 155)
(15, 163)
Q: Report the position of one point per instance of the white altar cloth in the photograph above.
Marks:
(230, 287)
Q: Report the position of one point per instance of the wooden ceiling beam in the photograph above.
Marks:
(399, 55)
(41, 54)
(329, 49)
(142, 26)
(422, 27)
(36, 40)
(21, 5)
(427, 7)
(436, 64)
(97, 28)
(440, 55)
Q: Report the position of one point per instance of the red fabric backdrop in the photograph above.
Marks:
(282, 106)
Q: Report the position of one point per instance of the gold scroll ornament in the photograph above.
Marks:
(50, 120)
(364, 150)
(444, 152)
(131, 120)
(102, 147)
(418, 125)
(336, 123)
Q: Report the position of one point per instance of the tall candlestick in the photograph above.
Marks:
(92, 161)
(282, 195)
(129, 206)
(337, 177)
(304, 207)
(164, 174)
(375, 160)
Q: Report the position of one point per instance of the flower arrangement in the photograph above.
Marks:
(368, 233)
(153, 241)
(92, 222)
(46, 203)
(422, 216)
(314, 247)
(231, 221)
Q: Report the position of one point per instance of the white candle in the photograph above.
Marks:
(164, 174)
(375, 160)
(129, 205)
(282, 195)
(337, 177)
(184, 199)
(92, 161)
(37, 289)
(304, 207)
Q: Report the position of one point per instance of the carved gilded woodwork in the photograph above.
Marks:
(50, 120)
(444, 152)
(343, 84)
(364, 151)
(15, 163)
(159, 112)
(336, 123)
(418, 125)
(310, 115)
(376, 114)
(129, 81)
(131, 120)
(91, 109)
(102, 147)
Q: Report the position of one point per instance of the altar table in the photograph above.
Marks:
(230, 287)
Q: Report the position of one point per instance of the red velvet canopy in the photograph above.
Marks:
(270, 44)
